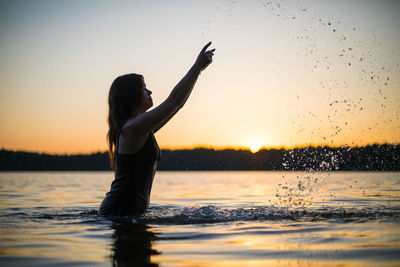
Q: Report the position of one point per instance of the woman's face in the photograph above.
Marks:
(147, 101)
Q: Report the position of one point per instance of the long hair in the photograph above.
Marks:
(123, 99)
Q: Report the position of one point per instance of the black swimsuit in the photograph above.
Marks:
(130, 190)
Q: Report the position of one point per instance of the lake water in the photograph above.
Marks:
(204, 219)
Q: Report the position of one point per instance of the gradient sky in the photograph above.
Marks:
(285, 73)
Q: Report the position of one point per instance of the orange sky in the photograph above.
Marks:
(283, 75)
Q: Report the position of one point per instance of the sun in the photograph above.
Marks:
(254, 145)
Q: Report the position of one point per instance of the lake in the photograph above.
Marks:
(204, 219)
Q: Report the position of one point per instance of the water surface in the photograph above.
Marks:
(204, 219)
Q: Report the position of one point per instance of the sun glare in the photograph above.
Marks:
(254, 146)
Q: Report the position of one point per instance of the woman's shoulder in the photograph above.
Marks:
(130, 141)
(133, 126)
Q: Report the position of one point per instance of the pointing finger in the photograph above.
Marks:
(205, 47)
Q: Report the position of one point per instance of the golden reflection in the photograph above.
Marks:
(378, 245)
(262, 262)
(71, 250)
(270, 240)
(68, 243)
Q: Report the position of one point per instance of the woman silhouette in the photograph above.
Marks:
(133, 149)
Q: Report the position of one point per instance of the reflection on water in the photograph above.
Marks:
(280, 243)
(132, 244)
(204, 219)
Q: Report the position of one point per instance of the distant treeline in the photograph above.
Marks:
(367, 158)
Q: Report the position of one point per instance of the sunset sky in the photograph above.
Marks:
(285, 73)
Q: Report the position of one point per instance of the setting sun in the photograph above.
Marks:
(254, 145)
(333, 82)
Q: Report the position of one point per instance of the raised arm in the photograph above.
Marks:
(155, 119)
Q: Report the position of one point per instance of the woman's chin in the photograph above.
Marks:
(149, 106)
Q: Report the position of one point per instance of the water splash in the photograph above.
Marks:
(206, 215)
(214, 214)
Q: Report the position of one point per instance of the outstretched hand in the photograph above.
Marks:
(205, 57)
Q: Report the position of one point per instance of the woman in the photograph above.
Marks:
(133, 149)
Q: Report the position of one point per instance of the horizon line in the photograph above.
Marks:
(216, 148)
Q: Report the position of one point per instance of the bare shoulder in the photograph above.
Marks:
(130, 141)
